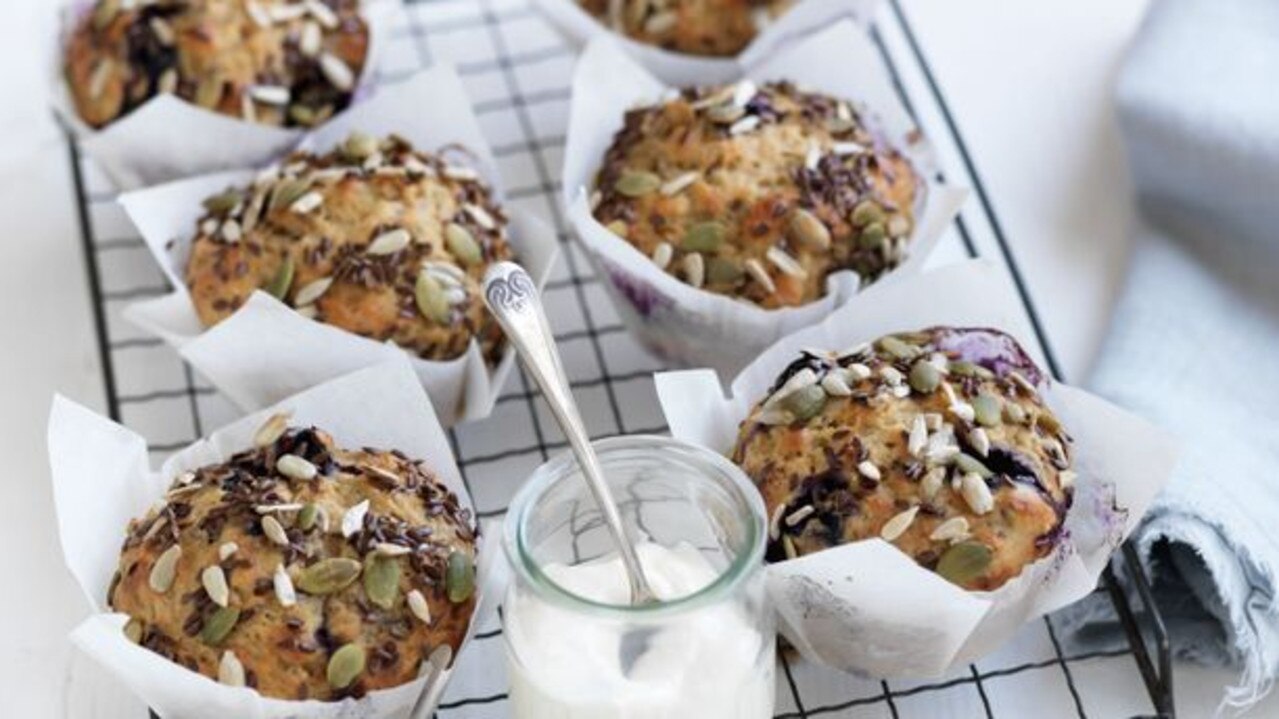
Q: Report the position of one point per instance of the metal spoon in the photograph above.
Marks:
(513, 299)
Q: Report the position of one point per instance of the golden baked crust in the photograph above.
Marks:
(277, 62)
(697, 27)
(758, 192)
(373, 237)
(218, 517)
(937, 441)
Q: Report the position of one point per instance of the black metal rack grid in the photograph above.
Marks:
(516, 69)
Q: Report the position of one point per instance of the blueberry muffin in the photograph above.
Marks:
(716, 28)
(277, 62)
(936, 441)
(300, 569)
(373, 237)
(758, 192)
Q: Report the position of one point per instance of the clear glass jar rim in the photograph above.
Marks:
(560, 466)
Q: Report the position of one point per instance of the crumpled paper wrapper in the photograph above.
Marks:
(167, 138)
(677, 68)
(266, 350)
(865, 606)
(102, 479)
(693, 327)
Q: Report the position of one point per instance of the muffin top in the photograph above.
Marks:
(758, 192)
(300, 569)
(373, 237)
(696, 27)
(277, 62)
(936, 441)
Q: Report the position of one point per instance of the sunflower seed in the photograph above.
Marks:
(703, 237)
(386, 549)
(795, 518)
(661, 23)
(104, 12)
(480, 215)
(976, 493)
(389, 242)
(835, 385)
(954, 529)
(980, 441)
(847, 148)
(900, 522)
(931, 484)
(328, 575)
(163, 31)
(283, 585)
(718, 97)
(346, 664)
(744, 92)
(1056, 453)
(459, 579)
(231, 232)
(277, 508)
(694, 269)
(272, 429)
(214, 581)
(813, 156)
(462, 244)
(898, 226)
(430, 298)
(168, 82)
(868, 470)
(725, 114)
(286, 12)
(858, 371)
(775, 522)
(226, 550)
(270, 94)
(382, 580)
(637, 183)
(336, 72)
(98, 80)
(788, 546)
(963, 410)
(419, 607)
(353, 518)
(133, 631)
(230, 670)
(209, 226)
(964, 562)
(323, 13)
(891, 375)
(918, 436)
(219, 625)
(756, 270)
(463, 174)
(1015, 413)
(1066, 479)
(662, 255)
(447, 273)
(1021, 381)
(784, 262)
(744, 125)
(307, 202)
(208, 94)
(679, 183)
(312, 291)
(310, 39)
(164, 570)
(806, 229)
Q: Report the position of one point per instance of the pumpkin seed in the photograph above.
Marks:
(987, 409)
(328, 575)
(294, 467)
(165, 569)
(214, 581)
(345, 665)
(430, 298)
(222, 202)
(286, 192)
(217, 627)
(460, 577)
(462, 244)
(306, 517)
(359, 145)
(274, 531)
(381, 580)
(806, 229)
(419, 607)
(230, 670)
(282, 281)
(964, 562)
(703, 237)
(637, 183)
(133, 630)
(899, 348)
(867, 212)
(872, 236)
(805, 402)
(924, 377)
(271, 430)
(970, 465)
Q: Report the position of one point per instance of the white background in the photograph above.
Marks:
(1029, 85)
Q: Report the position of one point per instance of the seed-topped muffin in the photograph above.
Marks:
(374, 237)
(301, 569)
(758, 192)
(277, 62)
(697, 27)
(936, 441)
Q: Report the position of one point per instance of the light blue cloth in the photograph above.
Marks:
(1194, 344)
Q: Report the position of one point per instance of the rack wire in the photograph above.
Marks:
(516, 70)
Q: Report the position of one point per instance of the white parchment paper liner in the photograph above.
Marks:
(266, 350)
(693, 327)
(679, 68)
(867, 607)
(102, 478)
(167, 138)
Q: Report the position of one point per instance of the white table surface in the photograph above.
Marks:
(1028, 83)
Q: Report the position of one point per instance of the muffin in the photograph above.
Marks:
(716, 28)
(373, 237)
(936, 441)
(300, 569)
(758, 192)
(275, 62)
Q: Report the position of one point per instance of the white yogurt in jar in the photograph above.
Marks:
(708, 662)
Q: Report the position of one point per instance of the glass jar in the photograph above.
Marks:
(575, 647)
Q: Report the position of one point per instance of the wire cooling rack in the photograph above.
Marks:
(516, 69)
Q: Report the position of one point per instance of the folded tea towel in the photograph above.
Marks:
(1194, 343)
